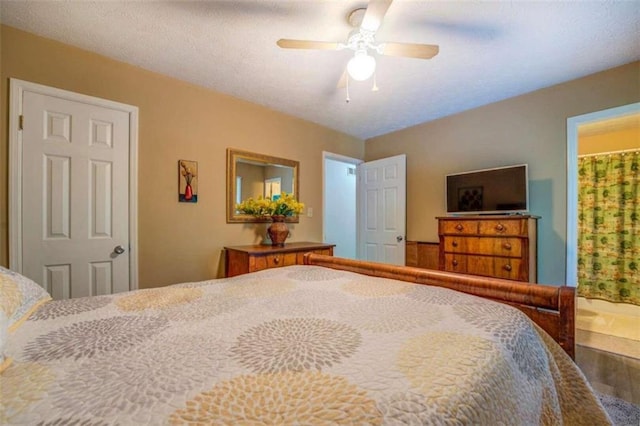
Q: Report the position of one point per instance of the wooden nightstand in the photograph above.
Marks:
(251, 258)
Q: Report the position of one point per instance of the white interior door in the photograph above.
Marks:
(74, 193)
(382, 210)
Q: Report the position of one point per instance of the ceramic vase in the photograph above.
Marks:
(278, 230)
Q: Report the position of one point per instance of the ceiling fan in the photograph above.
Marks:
(362, 41)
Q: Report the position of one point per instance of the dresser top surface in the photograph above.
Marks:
(288, 247)
(489, 216)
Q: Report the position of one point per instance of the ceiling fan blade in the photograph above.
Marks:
(342, 83)
(307, 44)
(410, 50)
(374, 14)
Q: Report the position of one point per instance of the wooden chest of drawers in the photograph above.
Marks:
(495, 246)
(251, 258)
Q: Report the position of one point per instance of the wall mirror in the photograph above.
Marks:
(254, 175)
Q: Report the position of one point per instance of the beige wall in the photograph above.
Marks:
(616, 140)
(526, 129)
(252, 180)
(180, 241)
(177, 241)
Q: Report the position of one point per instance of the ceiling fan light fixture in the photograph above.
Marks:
(361, 66)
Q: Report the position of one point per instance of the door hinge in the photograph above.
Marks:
(21, 122)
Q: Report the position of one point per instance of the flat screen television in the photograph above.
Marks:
(500, 190)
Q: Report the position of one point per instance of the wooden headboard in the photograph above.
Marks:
(551, 307)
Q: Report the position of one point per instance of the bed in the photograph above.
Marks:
(334, 341)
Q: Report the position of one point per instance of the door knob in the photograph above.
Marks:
(399, 238)
(118, 250)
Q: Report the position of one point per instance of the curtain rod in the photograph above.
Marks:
(623, 151)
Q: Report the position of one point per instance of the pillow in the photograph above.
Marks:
(19, 297)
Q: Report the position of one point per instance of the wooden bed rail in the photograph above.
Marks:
(551, 307)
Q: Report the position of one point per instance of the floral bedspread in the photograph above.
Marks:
(295, 345)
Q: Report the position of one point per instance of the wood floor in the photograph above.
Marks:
(610, 373)
(608, 347)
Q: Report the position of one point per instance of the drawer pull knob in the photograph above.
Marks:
(459, 227)
(500, 227)
(454, 243)
(455, 262)
(507, 268)
(276, 260)
(507, 246)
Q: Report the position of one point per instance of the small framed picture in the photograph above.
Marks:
(470, 199)
(187, 181)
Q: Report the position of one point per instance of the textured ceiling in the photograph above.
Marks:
(489, 50)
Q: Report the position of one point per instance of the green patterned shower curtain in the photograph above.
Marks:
(609, 227)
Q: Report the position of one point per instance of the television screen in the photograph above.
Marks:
(500, 190)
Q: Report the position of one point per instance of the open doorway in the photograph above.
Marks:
(573, 126)
(607, 335)
(364, 207)
(339, 223)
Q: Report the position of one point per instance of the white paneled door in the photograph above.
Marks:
(382, 210)
(74, 196)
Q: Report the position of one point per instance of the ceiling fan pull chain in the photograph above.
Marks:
(348, 99)
(375, 84)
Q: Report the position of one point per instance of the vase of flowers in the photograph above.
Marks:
(277, 209)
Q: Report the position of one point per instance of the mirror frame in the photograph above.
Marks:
(233, 155)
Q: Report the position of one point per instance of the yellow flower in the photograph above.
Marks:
(285, 205)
